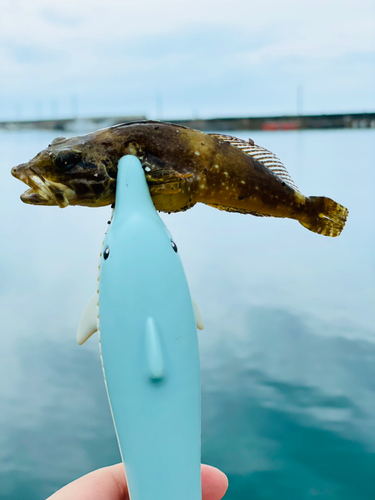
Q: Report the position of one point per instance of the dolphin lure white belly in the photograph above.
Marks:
(149, 346)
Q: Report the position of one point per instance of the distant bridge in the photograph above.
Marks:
(287, 122)
(68, 124)
(267, 123)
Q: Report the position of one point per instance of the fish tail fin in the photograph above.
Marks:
(324, 216)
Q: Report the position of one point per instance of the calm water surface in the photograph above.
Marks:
(288, 352)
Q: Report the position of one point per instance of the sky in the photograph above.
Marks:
(170, 59)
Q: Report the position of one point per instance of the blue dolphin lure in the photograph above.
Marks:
(149, 346)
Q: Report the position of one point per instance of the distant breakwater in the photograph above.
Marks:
(266, 123)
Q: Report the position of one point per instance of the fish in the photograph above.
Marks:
(147, 325)
(183, 167)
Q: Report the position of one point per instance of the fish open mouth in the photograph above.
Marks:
(33, 197)
(42, 191)
(39, 193)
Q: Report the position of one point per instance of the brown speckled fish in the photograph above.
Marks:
(182, 166)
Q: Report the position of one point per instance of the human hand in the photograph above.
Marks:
(109, 483)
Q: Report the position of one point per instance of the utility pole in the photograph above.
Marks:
(17, 112)
(54, 108)
(39, 110)
(299, 99)
(74, 103)
(159, 105)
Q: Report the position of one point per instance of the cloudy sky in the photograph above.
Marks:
(171, 59)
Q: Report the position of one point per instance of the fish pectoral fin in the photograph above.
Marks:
(88, 322)
(171, 188)
(159, 175)
(162, 181)
(198, 315)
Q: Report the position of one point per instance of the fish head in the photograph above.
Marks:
(76, 171)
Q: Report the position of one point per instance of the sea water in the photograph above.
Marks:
(287, 354)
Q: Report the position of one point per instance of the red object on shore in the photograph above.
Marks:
(281, 125)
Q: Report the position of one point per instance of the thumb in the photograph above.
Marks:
(109, 483)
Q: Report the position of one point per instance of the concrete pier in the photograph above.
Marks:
(266, 123)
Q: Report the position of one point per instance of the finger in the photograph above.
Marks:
(110, 483)
(214, 483)
(102, 484)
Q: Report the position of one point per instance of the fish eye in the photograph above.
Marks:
(174, 246)
(67, 161)
(106, 253)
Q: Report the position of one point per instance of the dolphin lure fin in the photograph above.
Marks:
(154, 352)
(198, 315)
(88, 322)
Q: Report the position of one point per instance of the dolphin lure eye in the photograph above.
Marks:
(106, 253)
(174, 246)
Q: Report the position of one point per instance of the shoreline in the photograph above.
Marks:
(265, 123)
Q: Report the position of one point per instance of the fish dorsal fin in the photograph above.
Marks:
(262, 155)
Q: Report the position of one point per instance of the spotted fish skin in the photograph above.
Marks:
(182, 166)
